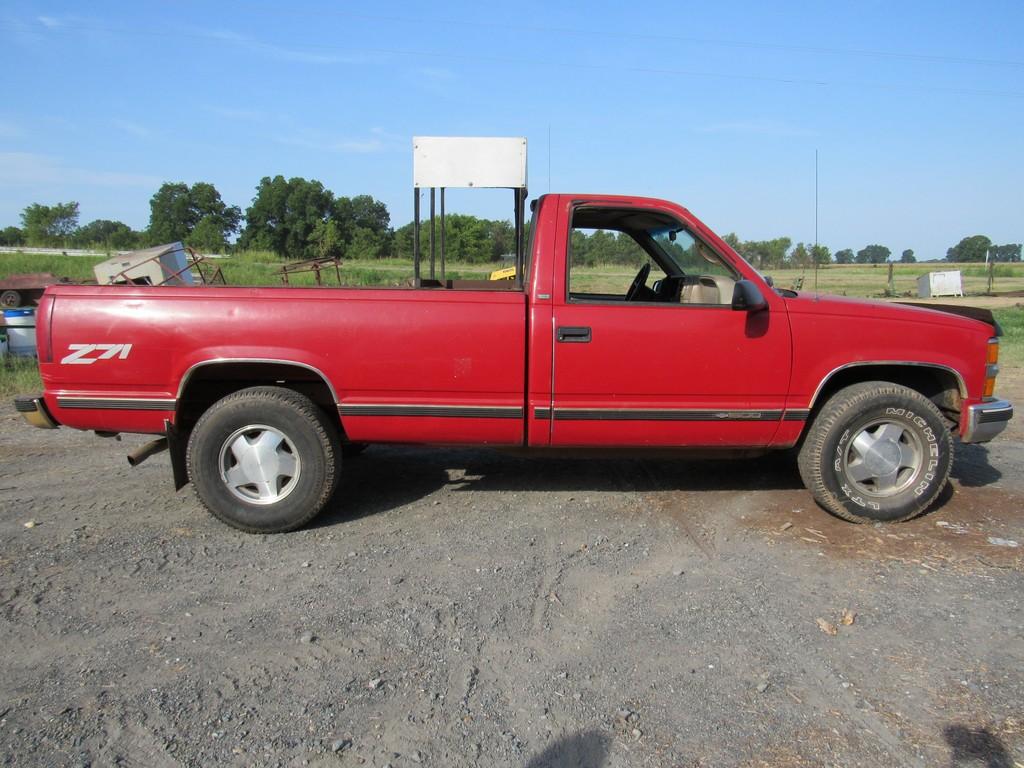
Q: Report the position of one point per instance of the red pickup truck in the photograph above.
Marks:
(260, 393)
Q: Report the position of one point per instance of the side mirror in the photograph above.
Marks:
(747, 297)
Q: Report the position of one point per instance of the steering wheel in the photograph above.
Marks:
(638, 282)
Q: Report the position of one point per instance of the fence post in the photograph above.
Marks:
(991, 275)
(891, 290)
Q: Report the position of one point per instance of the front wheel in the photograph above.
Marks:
(876, 451)
(264, 459)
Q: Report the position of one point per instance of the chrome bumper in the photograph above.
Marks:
(986, 420)
(33, 409)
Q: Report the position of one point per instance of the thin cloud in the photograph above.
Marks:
(390, 138)
(755, 128)
(436, 74)
(438, 80)
(305, 54)
(9, 130)
(133, 128)
(340, 145)
(27, 34)
(279, 52)
(27, 169)
(86, 23)
(357, 146)
(47, 28)
(247, 115)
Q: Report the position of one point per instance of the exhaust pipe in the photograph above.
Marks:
(142, 453)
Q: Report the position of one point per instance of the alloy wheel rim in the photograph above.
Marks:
(259, 464)
(884, 458)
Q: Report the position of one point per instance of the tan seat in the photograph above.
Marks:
(724, 285)
(707, 289)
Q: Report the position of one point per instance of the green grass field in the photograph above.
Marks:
(1011, 344)
(249, 268)
(260, 268)
(18, 376)
(872, 281)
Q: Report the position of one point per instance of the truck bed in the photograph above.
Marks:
(419, 356)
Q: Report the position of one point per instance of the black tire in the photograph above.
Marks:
(10, 299)
(876, 451)
(304, 463)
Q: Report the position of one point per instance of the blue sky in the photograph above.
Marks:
(915, 108)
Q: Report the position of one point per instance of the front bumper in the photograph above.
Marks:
(33, 409)
(986, 420)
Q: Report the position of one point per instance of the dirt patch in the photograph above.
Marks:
(467, 608)
(971, 528)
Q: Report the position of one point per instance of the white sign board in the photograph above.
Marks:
(468, 161)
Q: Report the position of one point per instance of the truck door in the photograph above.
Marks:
(648, 350)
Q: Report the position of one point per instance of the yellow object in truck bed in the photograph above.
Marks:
(508, 273)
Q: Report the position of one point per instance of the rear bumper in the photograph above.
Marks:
(986, 420)
(33, 409)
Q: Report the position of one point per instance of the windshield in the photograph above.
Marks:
(689, 255)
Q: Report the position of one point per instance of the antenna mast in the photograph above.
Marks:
(549, 158)
(814, 253)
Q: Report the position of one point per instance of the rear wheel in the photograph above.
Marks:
(876, 451)
(264, 459)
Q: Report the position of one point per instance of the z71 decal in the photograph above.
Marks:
(87, 354)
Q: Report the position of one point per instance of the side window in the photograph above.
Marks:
(638, 255)
(603, 263)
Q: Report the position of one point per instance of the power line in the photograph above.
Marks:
(583, 32)
(297, 51)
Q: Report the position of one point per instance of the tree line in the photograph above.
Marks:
(299, 218)
(293, 218)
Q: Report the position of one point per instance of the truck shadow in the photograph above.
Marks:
(971, 466)
(976, 746)
(586, 749)
(390, 477)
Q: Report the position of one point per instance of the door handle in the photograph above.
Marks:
(573, 335)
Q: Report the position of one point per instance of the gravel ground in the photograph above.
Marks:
(467, 608)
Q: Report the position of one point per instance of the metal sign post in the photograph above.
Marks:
(442, 162)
